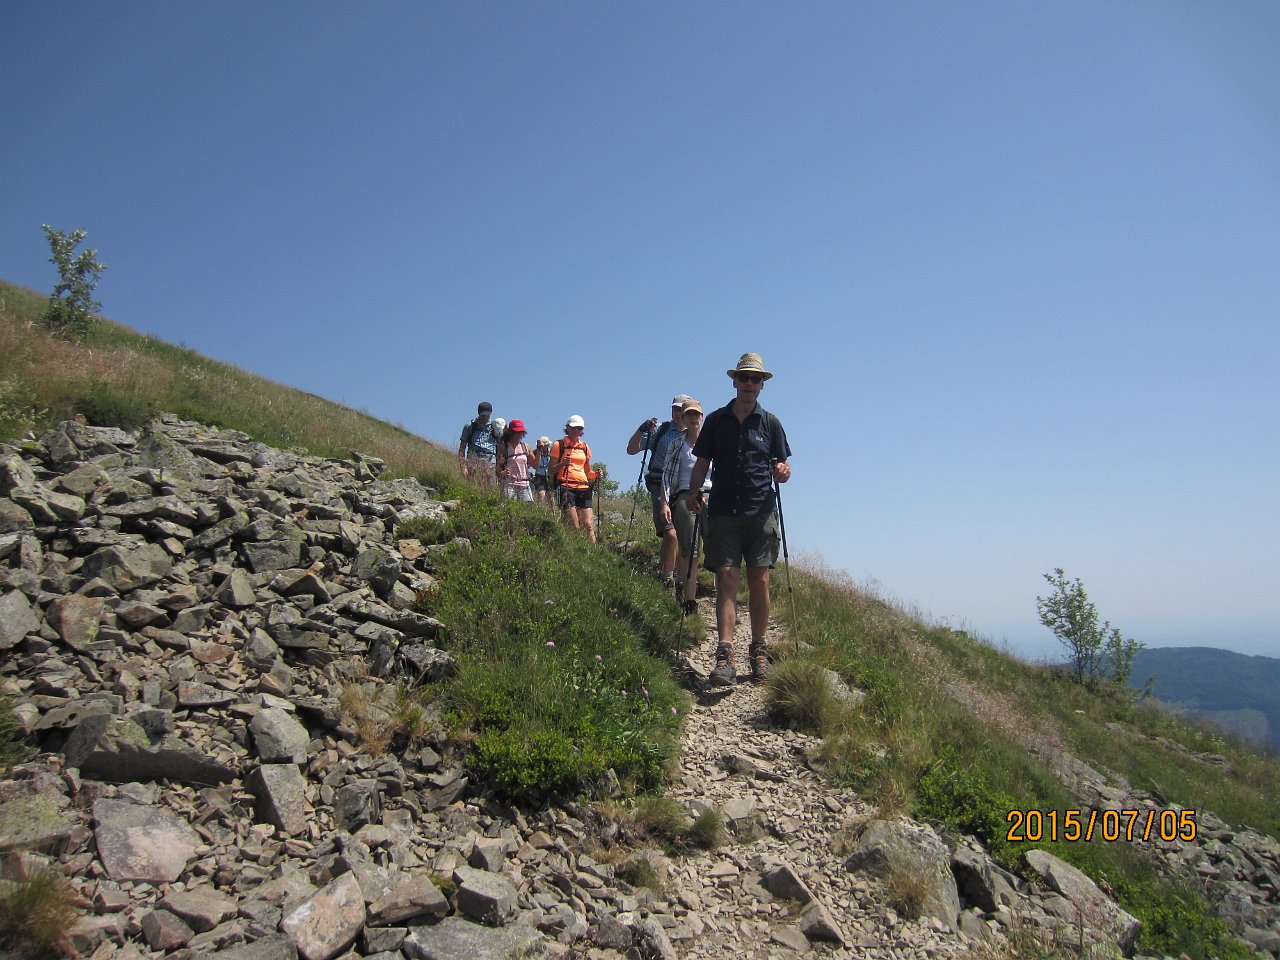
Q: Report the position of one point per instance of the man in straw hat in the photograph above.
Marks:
(747, 450)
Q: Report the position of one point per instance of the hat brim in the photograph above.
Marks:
(764, 373)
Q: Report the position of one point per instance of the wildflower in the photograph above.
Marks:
(645, 692)
(551, 643)
(599, 659)
(674, 712)
(548, 603)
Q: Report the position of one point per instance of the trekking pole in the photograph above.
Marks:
(786, 559)
(639, 480)
(599, 506)
(693, 553)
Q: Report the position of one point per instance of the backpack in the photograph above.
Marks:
(652, 475)
(503, 456)
(559, 445)
(469, 431)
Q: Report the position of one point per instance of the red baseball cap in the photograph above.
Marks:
(517, 426)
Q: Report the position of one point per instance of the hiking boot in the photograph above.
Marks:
(724, 674)
(690, 606)
(759, 659)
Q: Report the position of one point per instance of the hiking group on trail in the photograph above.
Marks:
(711, 477)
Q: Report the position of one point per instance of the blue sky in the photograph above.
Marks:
(1016, 265)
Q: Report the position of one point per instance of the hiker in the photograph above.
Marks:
(478, 445)
(539, 481)
(659, 440)
(515, 460)
(747, 447)
(677, 472)
(570, 465)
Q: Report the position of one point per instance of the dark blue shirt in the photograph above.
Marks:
(742, 456)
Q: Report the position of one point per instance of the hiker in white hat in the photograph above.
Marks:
(570, 466)
(747, 450)
(656, 440)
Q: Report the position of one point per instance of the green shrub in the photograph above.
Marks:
(523, 763)
(107, 405)
(1175, 920)
(961, 796)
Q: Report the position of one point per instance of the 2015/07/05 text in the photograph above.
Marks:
(1076, 825)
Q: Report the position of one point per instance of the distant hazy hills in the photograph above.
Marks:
(1239, 692)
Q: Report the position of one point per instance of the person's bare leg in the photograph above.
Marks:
(667, 553)
(758, 600)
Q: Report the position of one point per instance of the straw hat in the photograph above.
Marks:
(750, 363)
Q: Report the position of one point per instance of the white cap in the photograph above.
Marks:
(542, 440)
(499, 422)
(576, 421)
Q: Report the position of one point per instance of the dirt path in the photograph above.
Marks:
(736, 760)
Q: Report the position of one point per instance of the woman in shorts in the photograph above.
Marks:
(570, 464)
(514, 463)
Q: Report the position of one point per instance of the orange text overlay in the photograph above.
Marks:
(1075, 826)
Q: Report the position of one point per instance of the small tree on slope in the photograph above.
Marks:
(1093, 650)
(72, 309)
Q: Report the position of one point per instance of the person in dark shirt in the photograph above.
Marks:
(746, 449)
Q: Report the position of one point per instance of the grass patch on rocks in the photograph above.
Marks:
(562, 650)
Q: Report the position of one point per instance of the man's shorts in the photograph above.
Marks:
(655, 498)
(731, 540)
(571, 499)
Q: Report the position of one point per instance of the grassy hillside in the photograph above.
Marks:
(570, 672)
(118, 376)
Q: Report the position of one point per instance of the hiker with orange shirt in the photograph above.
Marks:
(570, 466)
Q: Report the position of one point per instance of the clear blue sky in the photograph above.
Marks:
(1016, 265)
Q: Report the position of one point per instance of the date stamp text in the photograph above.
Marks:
(1083, 825)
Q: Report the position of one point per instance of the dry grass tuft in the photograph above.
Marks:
(907, 890)
(35, 915)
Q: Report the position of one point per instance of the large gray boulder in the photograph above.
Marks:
(138, 842)
(142, 747)
(327, 923)
(281, 793)
(1095, 908)
(279, 737)
(17, 619)
(455, 938)
(906, 849)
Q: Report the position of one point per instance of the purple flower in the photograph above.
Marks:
(551, 643)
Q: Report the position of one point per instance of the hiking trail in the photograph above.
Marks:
(779, 813)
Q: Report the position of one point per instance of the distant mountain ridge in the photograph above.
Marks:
(1236, 691)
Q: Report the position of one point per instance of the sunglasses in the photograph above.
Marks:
(750, 378)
